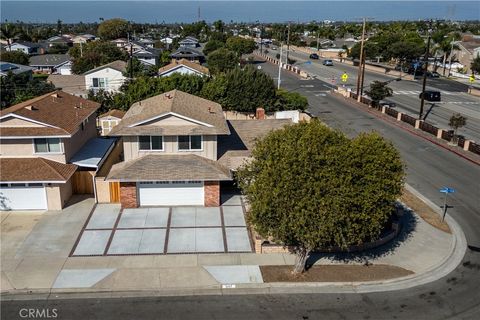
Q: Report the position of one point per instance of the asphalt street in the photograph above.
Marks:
(429, 167)
(455, 98)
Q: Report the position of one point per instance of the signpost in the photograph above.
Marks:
(446, 190)
(344, 77)
(472, 78)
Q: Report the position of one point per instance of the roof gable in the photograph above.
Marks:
(117, 65)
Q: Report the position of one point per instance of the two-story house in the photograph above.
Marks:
(108, 77)
(42, 145)
(170, 152)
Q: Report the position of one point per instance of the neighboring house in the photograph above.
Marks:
(26, 47)
(8, 67)
(189, 54)
(43, 158)
(65, 69)
(468, 50)
(59, 40)
(167, 41)
(146, 43)
(178, 148)
(73, 84)
(48, 63)
(190, 42)
(120, 42)
(183, 66)
(108, 120)
(83, 38)
(108, 77)
(148, 57)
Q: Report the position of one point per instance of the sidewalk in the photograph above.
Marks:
(35, 260)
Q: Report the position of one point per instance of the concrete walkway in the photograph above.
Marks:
(35, 257)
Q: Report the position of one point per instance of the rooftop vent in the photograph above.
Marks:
(168, 96)
(32, 108)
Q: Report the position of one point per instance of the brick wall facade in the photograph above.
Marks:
(212, 193)
(128, 195)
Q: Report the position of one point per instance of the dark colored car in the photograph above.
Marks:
(314, 56)
(433, 74)
(432, 95)
(390, 104)
(328, 62)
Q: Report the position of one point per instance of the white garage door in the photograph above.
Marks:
(171, 193)
(23, 197)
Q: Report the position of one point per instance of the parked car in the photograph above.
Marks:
(274, 48)
(433, 74)
(431, 95)
(328, 62)
(384, 103)
(314, 56)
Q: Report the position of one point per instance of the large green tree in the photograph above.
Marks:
(95, 54)
(240, 45)
(14, 57)
(221, 60)
(475, 65)
(310, 187)
(17, 88)
(212, 45)
(287, 100)
(242, 90)
(113, 29)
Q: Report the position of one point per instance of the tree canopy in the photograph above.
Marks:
(95, 54)
(15, 57)
(221, 60)
(242, 90)
(240, 45)
(113, 29)
(21, 87)
(379, 91)
(475, 66)
(311, 187)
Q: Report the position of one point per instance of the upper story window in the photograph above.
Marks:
(100, 83)
(150, 143)
(47, 145)
(187, 143)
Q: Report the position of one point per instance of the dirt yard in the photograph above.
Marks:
(424, 211)
(334, 273)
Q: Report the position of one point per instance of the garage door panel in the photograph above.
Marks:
(23, 198)
(168, 193)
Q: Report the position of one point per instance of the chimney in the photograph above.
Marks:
(260, 114)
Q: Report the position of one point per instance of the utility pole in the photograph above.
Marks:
(280, 66)
(81, 49)
(422, 102)
(288, 42)
(359, 76)
(131, 60)
(318, 38)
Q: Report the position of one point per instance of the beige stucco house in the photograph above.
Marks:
(43, 148)
(172, 153)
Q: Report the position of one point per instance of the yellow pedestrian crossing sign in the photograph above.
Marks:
(344, 77)
(472, 78)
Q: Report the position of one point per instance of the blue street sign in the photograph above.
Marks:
(308, 62)
(447, 190)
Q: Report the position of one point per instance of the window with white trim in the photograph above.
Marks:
(99, 83)
(47, 145)
(150, 143)
(187, 143)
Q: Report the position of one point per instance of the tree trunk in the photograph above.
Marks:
(302, 255)
(444, 61)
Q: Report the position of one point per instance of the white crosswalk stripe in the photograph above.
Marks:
(417, 92)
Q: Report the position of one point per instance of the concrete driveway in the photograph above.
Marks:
(164, 230)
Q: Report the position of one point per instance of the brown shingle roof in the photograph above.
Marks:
(235, 149)
(73, 83)
(184, 62)
(118, 65)
(168, 167)
(178, 102)
(34, 169)
(63, 111)
(113, 113)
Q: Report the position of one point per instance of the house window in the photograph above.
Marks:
(186, 143)
(100, 83)
(151, 143)
(47, 145)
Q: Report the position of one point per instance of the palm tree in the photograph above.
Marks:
(8, 32)
(446, 46)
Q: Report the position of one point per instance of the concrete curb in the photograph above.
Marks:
(443, 268)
